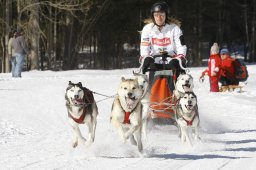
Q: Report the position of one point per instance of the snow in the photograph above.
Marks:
(35, 134)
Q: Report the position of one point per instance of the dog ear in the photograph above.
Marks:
(194, 94)
(190, 76)
(135, 74)
(70, 83)
(79, 84)
(123, 79)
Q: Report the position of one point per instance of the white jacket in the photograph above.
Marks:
(168, 39)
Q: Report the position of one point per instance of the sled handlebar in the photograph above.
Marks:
(165, 56)
(177, 58)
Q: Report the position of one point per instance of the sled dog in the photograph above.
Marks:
(187, 116)
(82, 109)
(183, 84)
(144, 85)
(126, 113)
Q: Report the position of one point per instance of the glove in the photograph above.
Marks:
(174, 64)
(146, 64)
(201, 79)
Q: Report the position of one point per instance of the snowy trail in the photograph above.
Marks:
(35, 134)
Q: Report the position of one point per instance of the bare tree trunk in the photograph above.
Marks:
(246, 57)
(8, 13)
(90, 49)
(222, 19)
(199, 62)
(95, 44)
(35, 31)
(49, 40)
(55, 38)
(69, 43)
(197, 34)
(18, 11)
(252, 58)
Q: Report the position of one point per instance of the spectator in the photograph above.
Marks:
(228, 65)
(213, 70)
(11, 51)
(20, 50)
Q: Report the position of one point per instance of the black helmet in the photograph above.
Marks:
(159, 7)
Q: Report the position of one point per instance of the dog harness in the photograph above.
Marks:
(179, 115)
(189, 123)
(126, 118)
(79, 120)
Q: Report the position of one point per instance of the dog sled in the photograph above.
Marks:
(230, 88)
(162, 79)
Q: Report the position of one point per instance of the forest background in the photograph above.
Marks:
(104, 34)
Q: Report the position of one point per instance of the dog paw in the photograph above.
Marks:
(140, 148)
(74, 144)
(183, 139)
(197, 138)
(88, 143)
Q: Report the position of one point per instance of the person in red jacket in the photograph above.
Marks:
(213, 70)
(228, 66)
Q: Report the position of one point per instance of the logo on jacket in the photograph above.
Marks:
(161, 42)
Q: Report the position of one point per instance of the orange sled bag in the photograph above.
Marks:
(161, 94)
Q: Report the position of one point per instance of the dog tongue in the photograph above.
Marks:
(79, 101)
(186, 87)
(129, 102)
(189, 107)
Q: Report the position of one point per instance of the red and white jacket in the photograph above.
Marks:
(168, 39)
(214, 66)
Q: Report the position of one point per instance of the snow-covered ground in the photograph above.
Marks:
(35, 134)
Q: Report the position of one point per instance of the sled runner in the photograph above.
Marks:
(162, 79)
(231, 88)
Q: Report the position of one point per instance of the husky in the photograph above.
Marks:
(183, 84)
(126, 113)
(187, 116)
(82, 109)
(144, 85)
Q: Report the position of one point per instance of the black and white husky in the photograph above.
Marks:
(82, 109)
(187, 116)
(183, 84)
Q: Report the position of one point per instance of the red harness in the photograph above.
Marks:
(189, 123)
(126, 118)
(79, 120)
(90, 100)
